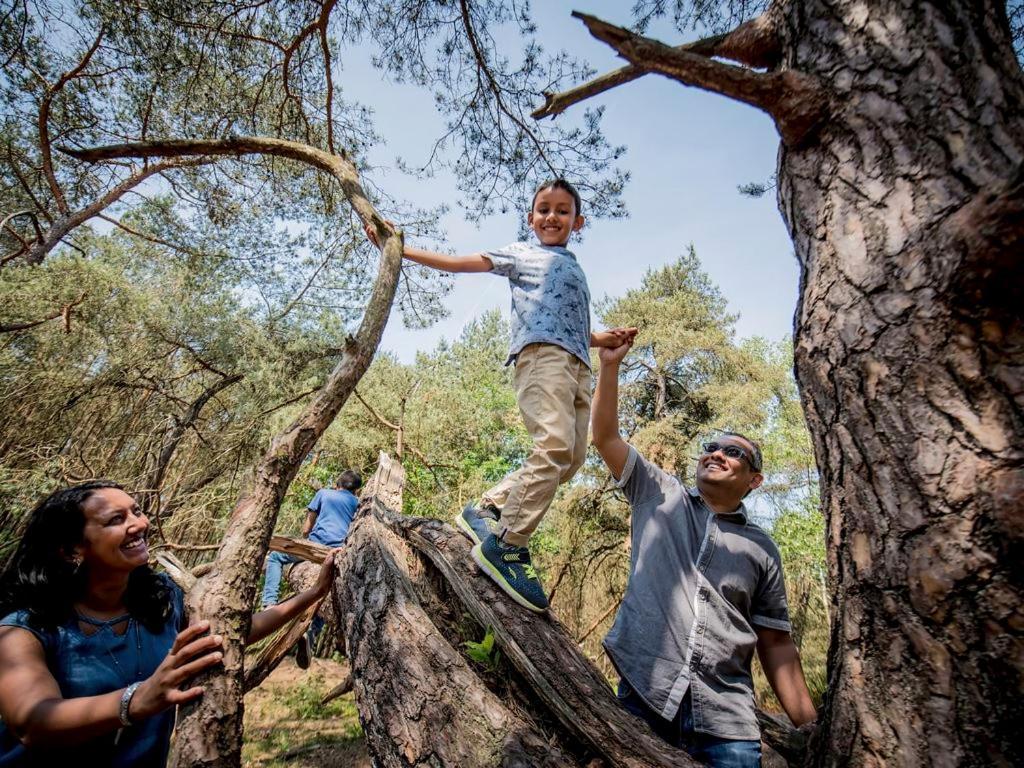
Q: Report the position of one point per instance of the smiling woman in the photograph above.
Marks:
(95, 647)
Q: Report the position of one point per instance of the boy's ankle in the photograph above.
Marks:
(489, 509)
(510, 539)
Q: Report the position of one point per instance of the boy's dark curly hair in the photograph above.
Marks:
(39, 577)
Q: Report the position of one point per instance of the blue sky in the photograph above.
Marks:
(687, 152)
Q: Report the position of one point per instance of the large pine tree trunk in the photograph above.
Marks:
(901, 178)
(907, 213)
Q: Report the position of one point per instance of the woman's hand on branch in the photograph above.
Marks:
(190, 654)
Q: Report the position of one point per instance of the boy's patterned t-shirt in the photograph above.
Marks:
(550, 297)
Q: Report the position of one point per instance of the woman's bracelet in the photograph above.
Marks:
(126, 700)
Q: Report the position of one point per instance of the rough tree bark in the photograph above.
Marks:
(908, 220)
(209, 732)
(904, 196)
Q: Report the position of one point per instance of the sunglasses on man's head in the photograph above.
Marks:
(732, 451)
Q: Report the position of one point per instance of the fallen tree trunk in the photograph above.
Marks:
(410, 599)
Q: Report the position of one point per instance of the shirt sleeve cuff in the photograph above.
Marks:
(780, 624)
(627, 470)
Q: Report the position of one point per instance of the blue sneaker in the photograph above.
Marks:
(477, 524)
(511, 569)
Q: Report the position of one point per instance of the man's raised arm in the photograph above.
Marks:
(604, 411)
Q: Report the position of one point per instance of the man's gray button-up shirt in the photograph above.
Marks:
(699, 583)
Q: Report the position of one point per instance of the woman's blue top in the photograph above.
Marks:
(97, 663)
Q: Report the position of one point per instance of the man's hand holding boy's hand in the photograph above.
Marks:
(614, 355)
(613, 337)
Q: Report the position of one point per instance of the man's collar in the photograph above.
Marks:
(738, 515)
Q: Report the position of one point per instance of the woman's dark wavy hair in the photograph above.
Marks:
(40, 579)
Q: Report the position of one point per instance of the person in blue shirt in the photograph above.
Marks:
(328, 517)
(95, 647)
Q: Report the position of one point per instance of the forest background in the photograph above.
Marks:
(169, 333)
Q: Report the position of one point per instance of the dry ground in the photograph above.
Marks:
(285, 725)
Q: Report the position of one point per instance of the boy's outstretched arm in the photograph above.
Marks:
(474, 262)
(604, 411)
(781, 662)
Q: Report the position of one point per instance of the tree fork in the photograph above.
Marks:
(796, 101)
(754, 43)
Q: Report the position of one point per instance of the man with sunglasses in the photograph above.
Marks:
(705, 590)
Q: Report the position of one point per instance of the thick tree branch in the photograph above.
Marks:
(338, 165)
(64, 225)
(753, 43)
(272, 654)
(796, 101)
(304, 548)
(780, 734)
(340, 689)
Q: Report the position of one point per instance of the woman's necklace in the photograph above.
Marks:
(110, 624)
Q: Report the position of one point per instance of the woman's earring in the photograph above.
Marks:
(76, 561)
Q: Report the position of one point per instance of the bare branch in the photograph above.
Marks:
(597, 622)
(390, 425)
(64, 312)
(302, 292)
(25, 244)
(147, 236)
(329, 105)
(44, 122)
(797, 102)
(481, 61)
(288, 402)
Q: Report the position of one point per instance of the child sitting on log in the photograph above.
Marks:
(551, 338)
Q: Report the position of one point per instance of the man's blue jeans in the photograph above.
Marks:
(712, 750)
(272, 578)
(272, 585)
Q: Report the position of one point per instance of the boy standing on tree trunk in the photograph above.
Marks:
(705, 590)
(550, 348)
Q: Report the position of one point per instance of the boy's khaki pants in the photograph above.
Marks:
(553, 389)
